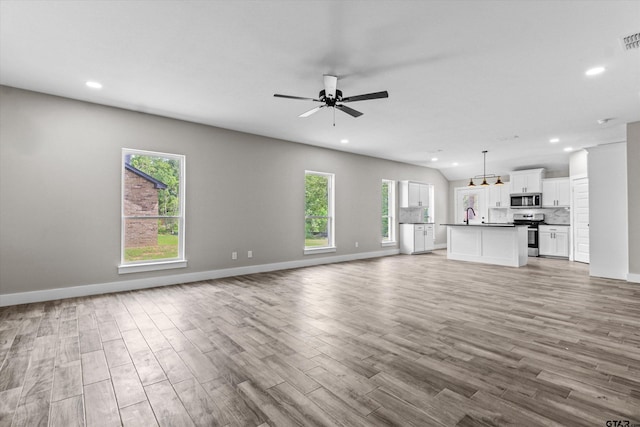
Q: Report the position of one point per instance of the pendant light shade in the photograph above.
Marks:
(484, 174)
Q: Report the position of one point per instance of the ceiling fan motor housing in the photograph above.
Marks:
(331, 102)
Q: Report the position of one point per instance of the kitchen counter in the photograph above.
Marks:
(492, 243)
(486, 224)
(417, 223)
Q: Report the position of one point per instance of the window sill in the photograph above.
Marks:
(389, 243)
(151, 266)
(322, 250)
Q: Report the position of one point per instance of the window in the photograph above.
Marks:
(152, 211)
(388, 212)
(318, 213)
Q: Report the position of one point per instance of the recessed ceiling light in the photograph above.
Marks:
(594, 71)
(344, 141)
(567, 149)
(94, 85)
(554, 140)
(434, 159)
(454, 164)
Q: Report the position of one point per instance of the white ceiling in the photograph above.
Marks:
(462, 76)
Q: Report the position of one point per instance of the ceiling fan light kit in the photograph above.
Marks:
(484, 175)
(331, 96)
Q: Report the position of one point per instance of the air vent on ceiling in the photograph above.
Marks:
(632, 41)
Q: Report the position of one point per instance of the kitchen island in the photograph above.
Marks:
(499, 244)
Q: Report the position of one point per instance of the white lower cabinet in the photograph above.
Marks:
(553, 240)
(416, 238)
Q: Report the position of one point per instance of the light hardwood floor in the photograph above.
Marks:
(403, 340)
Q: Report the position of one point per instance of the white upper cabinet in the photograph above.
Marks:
(556, 192)
(414, 194)
(499, 195)
(423, 192)
(527, 181)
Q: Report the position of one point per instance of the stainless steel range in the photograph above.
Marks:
(532, 220)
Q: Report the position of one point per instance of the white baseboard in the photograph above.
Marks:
(632, 277)
(152, 282)
(441, 245)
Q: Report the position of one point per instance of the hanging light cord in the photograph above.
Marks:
(484, 167)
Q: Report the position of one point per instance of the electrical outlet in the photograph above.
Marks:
(356, 244)
(234, 255)
(250, 254)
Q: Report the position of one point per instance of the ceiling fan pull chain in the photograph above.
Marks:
(334, 116)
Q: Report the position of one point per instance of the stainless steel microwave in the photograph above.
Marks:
(526, 200)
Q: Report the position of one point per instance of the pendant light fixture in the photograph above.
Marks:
(484, 174)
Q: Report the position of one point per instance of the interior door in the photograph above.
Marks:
(581, 220)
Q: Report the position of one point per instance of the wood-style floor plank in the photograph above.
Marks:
(127, 385)
(94, 367)
(67, 381)
(8, 404)
(402, 340)
(33, 412)
(100, 404)
(138, 415)
(200, 406)
(166, 405)
(67, 413)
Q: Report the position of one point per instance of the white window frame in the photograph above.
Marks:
(161, 264)
(331, 222)
(391, 198)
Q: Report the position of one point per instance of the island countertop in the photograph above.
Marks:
(487, 224)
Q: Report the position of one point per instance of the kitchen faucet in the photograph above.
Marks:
(467, 214)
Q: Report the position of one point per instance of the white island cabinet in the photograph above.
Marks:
(498, 244)
(416, 238)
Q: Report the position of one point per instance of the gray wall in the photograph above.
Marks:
(60, 192)
(578, 163)
(608, 231)
(633, 194)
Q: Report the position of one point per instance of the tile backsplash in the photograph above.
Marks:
(557, 216)
(551, 215)
(414, 215)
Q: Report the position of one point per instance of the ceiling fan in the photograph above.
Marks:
(331, 96)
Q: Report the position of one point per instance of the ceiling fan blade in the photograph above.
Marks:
(330, 85)
(310, 112)
(348, 110)
(277, 95)
(375, 95)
